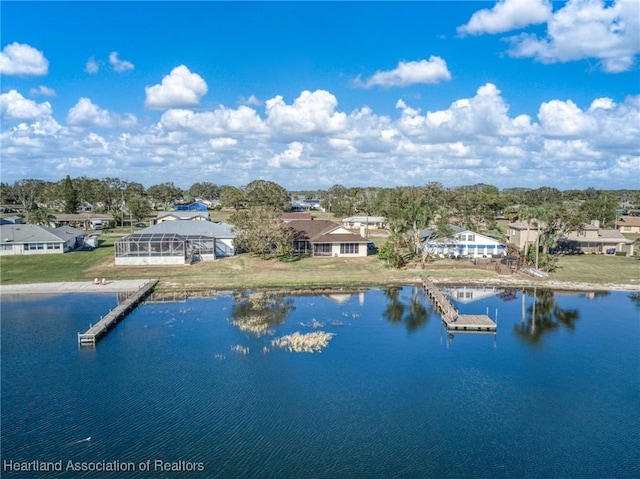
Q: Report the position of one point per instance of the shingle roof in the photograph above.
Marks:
(319, 231)
(629, 221)
(27, 233)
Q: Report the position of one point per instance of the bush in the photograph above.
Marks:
(621, 253)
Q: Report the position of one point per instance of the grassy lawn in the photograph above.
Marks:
(598, 269)
(245, 271)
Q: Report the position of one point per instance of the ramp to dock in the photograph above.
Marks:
(454, 321)
(91, 336)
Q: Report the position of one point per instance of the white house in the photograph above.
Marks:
(462, 242)
(23, 239)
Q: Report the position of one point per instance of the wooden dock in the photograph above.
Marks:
(91, 336)
(454, 321)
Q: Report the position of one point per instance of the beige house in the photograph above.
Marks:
(326, 238)
(593, 239)
(628, 224)
(522, 233)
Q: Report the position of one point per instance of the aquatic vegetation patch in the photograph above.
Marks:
(303, 343)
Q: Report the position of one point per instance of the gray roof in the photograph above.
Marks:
(27, 233)
(429, 232)
(191, 228)
(66, 232)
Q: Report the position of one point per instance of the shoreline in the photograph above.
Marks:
(116, 286)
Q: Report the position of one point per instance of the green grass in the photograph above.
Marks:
(75, 266)
(246, 271)
(598, 269)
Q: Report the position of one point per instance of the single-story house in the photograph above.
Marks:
(368, 222)
(29, 239)
(84, 220)
(176, 242)
(462, 242)
(592, 239)
(628, 224)
(326, 238)
(180, 215)
(193, 206)
(73, 237)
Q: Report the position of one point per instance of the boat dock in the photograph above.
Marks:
(91, 336)
(454, 321)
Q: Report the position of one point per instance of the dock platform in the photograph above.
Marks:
(453, 320)
(95, 332)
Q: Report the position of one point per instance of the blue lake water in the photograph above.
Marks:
(393, 395)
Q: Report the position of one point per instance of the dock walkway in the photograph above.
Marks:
(91, 336)
(454, 321)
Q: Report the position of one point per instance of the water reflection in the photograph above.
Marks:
(259, 311)
(543, 315)
(635, 298)
(412, 312)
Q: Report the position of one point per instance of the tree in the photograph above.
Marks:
(138, 207)
(336, 201)
(41, 216)
(260, 231)
(164, 194)
(232, 197)
(268, 194)
(603, 208)
(28, 193)
(204, 190)
(69, 195)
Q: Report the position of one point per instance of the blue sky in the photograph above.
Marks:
(312, 94)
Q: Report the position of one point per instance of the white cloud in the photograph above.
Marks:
(179, 89)
(86, 113)
(252, 100)
(21, 59)
(311, 144)
(119, 65)
(507, 15)
(587, 29)
(92, 66)
(564, 118)
(42, 91)
(312, 112)
(433, 70)
(293, 157)
(218, 122)
(16, 107)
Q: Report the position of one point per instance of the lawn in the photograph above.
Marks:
(245, 271)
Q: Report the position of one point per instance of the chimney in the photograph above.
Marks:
(362, 232)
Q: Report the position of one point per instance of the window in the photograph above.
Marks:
(627, 228)
(6, 247)
(349, 248)
(471, 237)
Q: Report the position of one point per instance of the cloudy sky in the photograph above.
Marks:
(309, 95)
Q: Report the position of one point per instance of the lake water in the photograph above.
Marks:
(186, 386)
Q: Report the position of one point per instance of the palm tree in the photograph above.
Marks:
(41, 216)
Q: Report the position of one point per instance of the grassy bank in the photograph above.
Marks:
(245, 271)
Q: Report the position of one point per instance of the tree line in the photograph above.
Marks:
(407, 209)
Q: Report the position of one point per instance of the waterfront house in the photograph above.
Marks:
(593, 239)
(176, 242)
(461, 242)
(73, 237)
(326, 238)
(628, 224)
(522, 233)
(27, 239)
